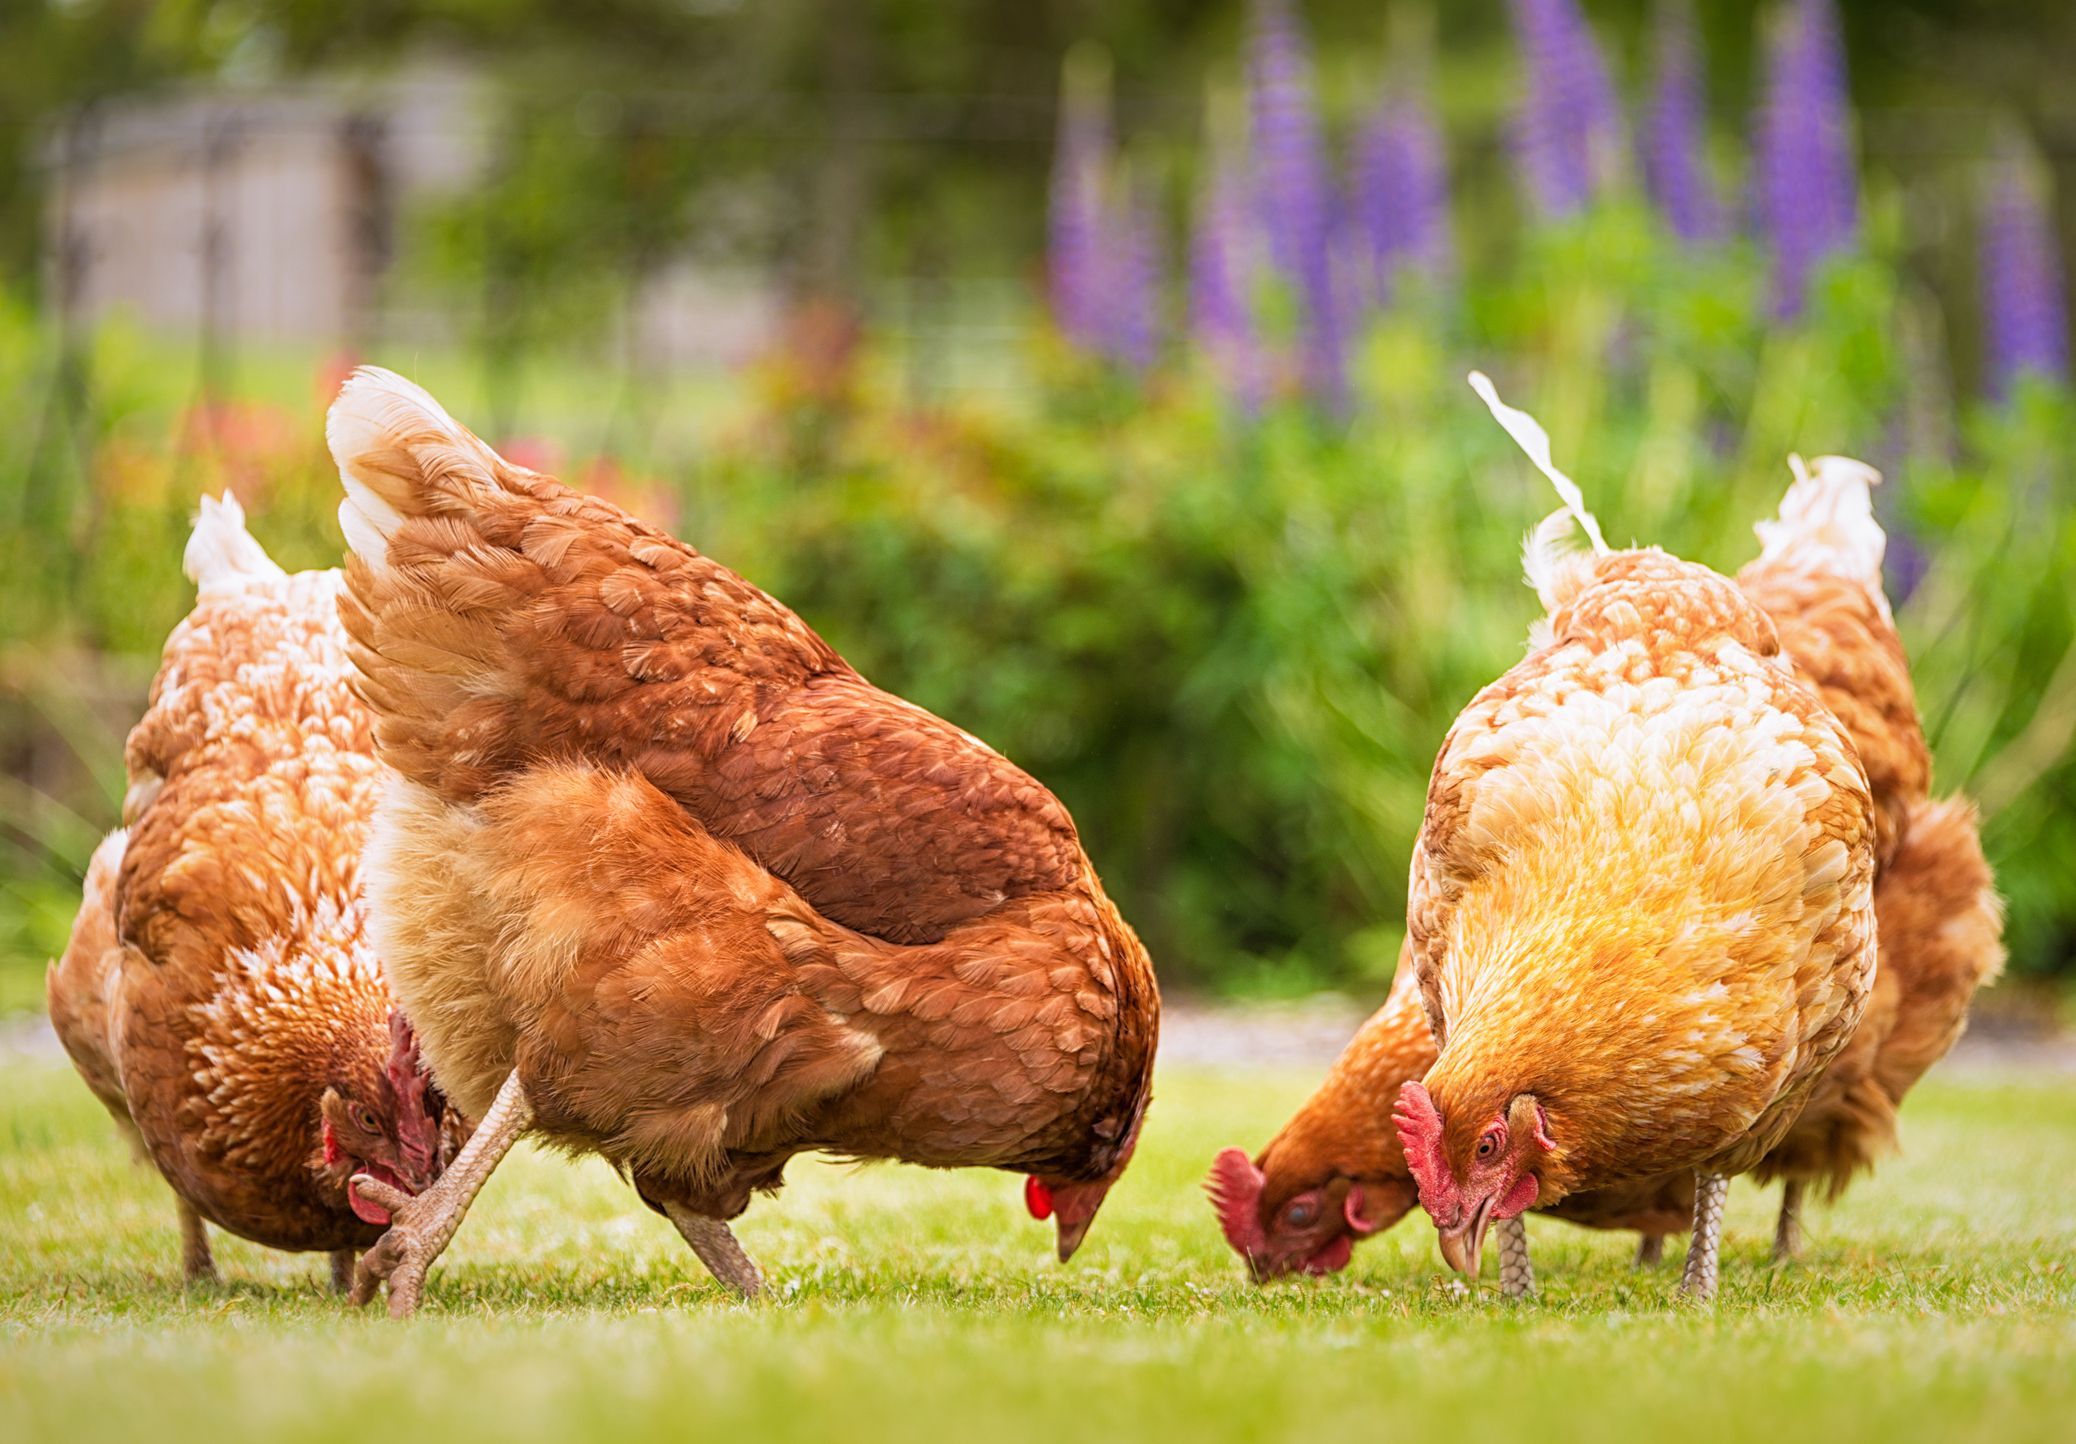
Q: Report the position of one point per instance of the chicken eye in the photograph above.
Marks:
(1489, 1146)
(1300, 1212)
(364, 1118)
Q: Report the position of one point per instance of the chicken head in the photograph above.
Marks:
(385, 1125)
(1470, 1175)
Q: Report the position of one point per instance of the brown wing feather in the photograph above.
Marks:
(82, 987)
(503, 619)
(1942, 928)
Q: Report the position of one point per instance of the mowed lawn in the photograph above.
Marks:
(1939, 1302)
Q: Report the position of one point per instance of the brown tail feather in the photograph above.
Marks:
(1942, 934)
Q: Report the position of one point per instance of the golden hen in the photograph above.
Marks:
(1641, 903)
(663, 878)
(220, 994)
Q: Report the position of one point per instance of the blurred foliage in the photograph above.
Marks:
(1231, 643)
(844, 140)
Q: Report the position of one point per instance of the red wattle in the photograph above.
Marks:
(1332, 1258)
(1037, 1198)
(1519, 1198)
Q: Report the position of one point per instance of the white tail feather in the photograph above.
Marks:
(221, 554)
(375, 406)
(1529, 435)
(1554, 568)
(1827, 520)
(378, 410)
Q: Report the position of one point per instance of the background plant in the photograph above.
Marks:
(1225, 563)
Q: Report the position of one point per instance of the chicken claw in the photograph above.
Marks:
(716, 1245)
(401, 1256)
(420, 1227)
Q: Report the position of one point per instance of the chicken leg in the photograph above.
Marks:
(1711, 1192)
(1516, 1269)
(1787, 1234)
(1650, 1250)
(715, 1243)
(420, 1227)
(342, 1270)
(197, 1264)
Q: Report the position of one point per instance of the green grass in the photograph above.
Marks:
(1938, 1302)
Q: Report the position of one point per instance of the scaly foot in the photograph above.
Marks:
(1698, 1281)
(1516, 1269)
(197, 1264)
(716, 1245)
(420, 1228)
(1787, 1235)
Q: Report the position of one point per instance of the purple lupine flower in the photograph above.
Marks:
(1075, 261)
(1295, 189)
(1675, 171)
(1904, 563)
(1401, 194)
(1221, 314)
(2025, 316)
(1567, 127)
(1808, 198)
(1128, 330)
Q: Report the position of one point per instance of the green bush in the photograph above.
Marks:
(1231, 642)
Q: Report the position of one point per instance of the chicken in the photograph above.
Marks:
(1937, 919)
(1336, 1174)
(219, 993)
(661, 877)
(1938, 916)
(1641, 901)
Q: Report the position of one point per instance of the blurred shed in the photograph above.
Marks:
(259, 214)
(280, 215)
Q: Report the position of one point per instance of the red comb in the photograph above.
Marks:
(1235, 1187)
(418, 1100)
(1037, 1198)
(403, 1067)
(1420, 1134)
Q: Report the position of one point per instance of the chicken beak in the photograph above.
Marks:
(1463, 1246)
(1072, 1207)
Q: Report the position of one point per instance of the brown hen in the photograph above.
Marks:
(663, 878)
(220, 994)
(1937, 912)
